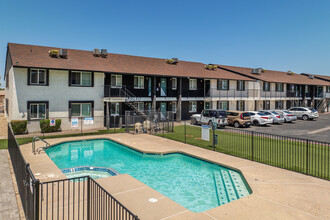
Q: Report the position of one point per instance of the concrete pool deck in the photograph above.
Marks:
(277, 193)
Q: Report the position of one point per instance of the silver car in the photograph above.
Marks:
(304, 113)
(288, 116)
(277, 118)
(258, 118)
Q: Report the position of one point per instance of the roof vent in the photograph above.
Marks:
(311, 76)
(96, 52)
(104, 53)
(289, 72)
(257, 71)
(63, 53)
(172, 61)
(53, 53)
(211, 67)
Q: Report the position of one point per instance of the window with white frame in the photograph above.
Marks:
(174, 83)
(80, 78)
(81, 109)
(192, 106)
(138, 82)
(174, 107)
(279, 87)
(223, 84)
(37, 110)
(114, 108)
(38, 77)
(116, 81)
(192, 84)
(240, 85)
(223, 105)
(140, 106)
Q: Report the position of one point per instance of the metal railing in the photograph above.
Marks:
(80, 198)
(297, 154)
(34, 139)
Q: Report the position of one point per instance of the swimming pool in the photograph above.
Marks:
(195, 184)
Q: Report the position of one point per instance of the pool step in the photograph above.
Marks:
(229, 186)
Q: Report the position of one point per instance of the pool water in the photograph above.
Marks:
(195, 184)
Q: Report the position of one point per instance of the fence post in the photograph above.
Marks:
(307, 152)
(185, 135)
(252, 137)
(88, 197)
(36, 199)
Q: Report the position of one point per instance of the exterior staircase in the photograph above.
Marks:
(322, 105)
(132, 101)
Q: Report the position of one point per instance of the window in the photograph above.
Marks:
(81, 108)
(240, 85)
(114, 108)
(193, 106)
(140, 106)
(37, 77)
(223, 84)
(37, 110)
(266, 86)
(174, 83)
(81, 78)
(279, 87)
(328, 89)
(116, 81)
(192, 84)
(207, 105)
(240, 105)
(138, 82)
(174, 107)
(223, 105)
(266, 105)
(279, 104)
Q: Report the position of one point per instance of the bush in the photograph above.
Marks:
(19, 126)
(46, 128)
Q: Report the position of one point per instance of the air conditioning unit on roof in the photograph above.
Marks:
(104, 53)
(256, 71)
(63, 53)
(96, 52)
(175, 60)
(311, 76)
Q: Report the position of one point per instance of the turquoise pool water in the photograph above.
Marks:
(195, 184)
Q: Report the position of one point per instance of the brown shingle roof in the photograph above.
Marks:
(38, 57)
(277, 76)
(322, 77)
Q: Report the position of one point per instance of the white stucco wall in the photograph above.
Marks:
(58, 94)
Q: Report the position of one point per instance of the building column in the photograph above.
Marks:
(179, 102)
(107, 110)
(153, 94)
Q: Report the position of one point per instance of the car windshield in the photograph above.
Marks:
(246, 114)
(222, 114)
(275, 113)
(261, 114)
(313, 110)
(251, 113)
(287, 112)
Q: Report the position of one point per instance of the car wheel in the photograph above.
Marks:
(236, 124)
(193, 121)
(256, 123)
(305, 117)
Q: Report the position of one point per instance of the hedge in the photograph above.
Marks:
(46, 128)
(19, 126)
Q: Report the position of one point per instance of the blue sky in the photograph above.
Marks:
(280, 35)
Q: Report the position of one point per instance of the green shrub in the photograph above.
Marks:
(19, 126)
(46, 128)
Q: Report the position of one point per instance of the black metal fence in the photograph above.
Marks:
(301, 155)
(28, 186)
(80, 198)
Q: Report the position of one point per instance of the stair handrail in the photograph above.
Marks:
(34, 139)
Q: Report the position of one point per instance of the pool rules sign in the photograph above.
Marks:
(205, 133)
(52, 122)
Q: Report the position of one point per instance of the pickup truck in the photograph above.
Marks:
(206, 118)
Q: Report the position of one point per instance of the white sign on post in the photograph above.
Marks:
(205, 133)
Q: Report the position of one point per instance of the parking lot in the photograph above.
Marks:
(315, 130)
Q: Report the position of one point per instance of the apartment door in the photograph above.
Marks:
(163, 110)
(149, 86)
(319, 91)
(207, 88)
(163, 87)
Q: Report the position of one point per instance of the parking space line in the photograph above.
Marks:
(319, 130)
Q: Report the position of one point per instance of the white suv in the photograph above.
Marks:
(258, 118)
(304, 113)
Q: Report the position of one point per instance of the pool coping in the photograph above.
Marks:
(217, 211)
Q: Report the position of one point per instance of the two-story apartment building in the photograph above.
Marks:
(278, 89)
